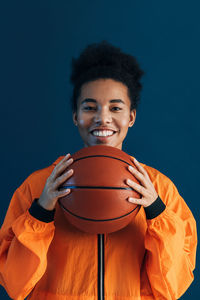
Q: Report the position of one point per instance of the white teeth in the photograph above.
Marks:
(102, 132)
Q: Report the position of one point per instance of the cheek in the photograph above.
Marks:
(83, 121)
(124, 123)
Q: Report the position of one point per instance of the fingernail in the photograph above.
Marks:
(130, 168)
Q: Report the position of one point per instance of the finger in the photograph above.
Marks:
(60, 180)
(140, 167)
(137, 164)
(63, 192)
(137, 201)
(137, 187)
(137, 174)
(61, 167)
(64, 160)
(66, 157)
(142, 178)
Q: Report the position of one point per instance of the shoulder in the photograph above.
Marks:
(35, 182)
(162, 183)
(155, 175)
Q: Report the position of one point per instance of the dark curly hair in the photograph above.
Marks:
(103, 60)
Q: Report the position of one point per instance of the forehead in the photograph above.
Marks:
(103, 91)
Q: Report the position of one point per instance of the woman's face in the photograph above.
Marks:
(103, 113)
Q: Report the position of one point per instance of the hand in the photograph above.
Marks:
(146, 189)
(50, 193)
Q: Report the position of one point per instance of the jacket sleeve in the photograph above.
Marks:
(170, 242)
(24, 242)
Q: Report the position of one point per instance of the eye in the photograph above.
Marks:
(89, 108)
(116, 108)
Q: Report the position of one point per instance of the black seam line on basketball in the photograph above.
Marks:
(101, 156)
(95, 187)
(93, 220)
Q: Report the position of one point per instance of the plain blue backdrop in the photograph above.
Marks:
(38, 41)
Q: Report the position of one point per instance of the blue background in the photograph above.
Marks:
(38, 41)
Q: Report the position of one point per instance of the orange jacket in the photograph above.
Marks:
(148, 259)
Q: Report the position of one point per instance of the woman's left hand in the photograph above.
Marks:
(146, 189)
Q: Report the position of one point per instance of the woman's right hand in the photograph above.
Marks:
(50, 193)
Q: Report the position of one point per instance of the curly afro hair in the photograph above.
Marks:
(103, 60)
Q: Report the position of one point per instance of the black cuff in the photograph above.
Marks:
(155, 209)
(41, 213)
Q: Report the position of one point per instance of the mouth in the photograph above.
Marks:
(102, 134)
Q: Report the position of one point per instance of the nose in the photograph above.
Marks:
(102, 116)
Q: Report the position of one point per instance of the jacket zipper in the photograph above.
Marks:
(100, 287)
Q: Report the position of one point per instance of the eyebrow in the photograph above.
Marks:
(86, 100)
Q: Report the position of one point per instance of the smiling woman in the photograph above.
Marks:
(104, 113)
(106, 94)
(153, 257)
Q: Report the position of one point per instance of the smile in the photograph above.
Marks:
(103, 133)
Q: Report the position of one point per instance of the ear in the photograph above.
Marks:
(75, 118)
(132, 117)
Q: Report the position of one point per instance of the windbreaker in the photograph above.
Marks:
(153, 257)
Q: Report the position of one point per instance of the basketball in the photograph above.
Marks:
(98, 202)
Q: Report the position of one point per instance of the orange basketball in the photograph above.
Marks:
(98, 202)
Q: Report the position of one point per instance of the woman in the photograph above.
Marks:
(42, 256)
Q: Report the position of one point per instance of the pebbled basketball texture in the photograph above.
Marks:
(98, 202)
